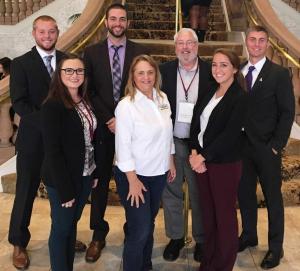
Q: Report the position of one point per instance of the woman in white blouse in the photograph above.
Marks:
(144, 158)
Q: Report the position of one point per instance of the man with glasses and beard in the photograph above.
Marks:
(29, 83)
(185, 81)
(107, 64)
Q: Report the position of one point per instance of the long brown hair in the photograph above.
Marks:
(58, 91)
(235, 62)
(130, 89)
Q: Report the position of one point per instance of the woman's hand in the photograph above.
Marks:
(197, 162)
(95, 182)
(136, 188)
(172, 171)
(68, 204)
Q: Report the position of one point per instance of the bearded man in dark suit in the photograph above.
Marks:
(107, 65)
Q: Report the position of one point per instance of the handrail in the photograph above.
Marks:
(274, 44)
(178, 18)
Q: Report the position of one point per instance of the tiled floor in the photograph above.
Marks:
(110, 260)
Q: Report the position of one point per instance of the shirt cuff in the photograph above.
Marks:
(126, 166)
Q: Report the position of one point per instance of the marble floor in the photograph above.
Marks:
(110, 260)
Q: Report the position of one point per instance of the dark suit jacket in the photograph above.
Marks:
(169, 81)
(222, 137)
(100, 78)
(29, 85)
(271, 107)
(64, 146)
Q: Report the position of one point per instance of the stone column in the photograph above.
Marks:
(29, 7)
(2, 11)
(8, 12)
(16, 11)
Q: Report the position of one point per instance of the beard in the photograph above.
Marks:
(47, 49)
(117, 35)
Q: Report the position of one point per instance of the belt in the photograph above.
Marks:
(182, 139)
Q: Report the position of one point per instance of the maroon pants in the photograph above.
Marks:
(218, 188)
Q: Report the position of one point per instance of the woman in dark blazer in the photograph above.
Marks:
(68, 126)
(215, 136)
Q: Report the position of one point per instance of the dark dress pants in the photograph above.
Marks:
(260, 163)
(28, 180)
(62, 236)
(140, 221)
(105, 156)
(218, 188)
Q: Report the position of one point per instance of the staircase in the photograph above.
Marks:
(153, 25)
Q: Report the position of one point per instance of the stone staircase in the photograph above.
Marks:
(153, 25)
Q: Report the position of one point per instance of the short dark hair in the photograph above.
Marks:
(115, 6)
(235, 62)
(5, 62)
(257, 28)
(58, 91)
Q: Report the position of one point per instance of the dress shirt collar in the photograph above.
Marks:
(258, 66)
(110, 44)
(191, 70)
(43, 53)
(140, 96)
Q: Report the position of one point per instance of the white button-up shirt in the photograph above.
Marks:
(144, 134)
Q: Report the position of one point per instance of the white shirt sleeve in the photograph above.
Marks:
(123, 138)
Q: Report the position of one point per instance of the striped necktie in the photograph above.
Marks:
(48, 64)
(116, 73)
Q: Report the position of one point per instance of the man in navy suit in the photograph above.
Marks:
(270, 115)
(29, 82)
(106, 88)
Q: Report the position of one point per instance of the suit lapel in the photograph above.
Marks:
(262, 75)
(38, 62)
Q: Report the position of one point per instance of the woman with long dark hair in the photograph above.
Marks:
(68, 127)
(216, 135)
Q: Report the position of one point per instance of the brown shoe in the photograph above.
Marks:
(79, 246)
(20, 258)
(94, 251)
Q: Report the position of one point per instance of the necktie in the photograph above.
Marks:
(116, 73)
(48, 65)
(248, 78)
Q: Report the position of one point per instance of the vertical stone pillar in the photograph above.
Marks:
(16, 11)
(29, 7)
(2, 11)
(36, 5)
(8, 13)
(23, 7)
(6, 129)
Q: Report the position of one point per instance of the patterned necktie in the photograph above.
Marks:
(48, 65)
(248, 78)
(116, 73)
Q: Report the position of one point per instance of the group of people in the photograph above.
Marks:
(218, 126)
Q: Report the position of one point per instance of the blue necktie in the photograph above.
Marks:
(248, 78)
(116, 73)
(48, 64)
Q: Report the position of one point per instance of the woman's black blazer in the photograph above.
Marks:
(64, 146)
(222, 137)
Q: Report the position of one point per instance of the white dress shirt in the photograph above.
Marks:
(144, 134)
(43, 54)
(258, 66)
(204, 118)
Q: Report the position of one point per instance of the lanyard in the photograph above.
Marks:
(186, 90)
(89, 119)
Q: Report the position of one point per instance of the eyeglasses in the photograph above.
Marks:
(188, 43)
(70, 71)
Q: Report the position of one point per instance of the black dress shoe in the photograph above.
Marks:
(172, 250)
(94, 251)
(271, 259)
(80, 246)
(198, 252)
(244, 243)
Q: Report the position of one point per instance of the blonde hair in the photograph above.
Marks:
(130, 89)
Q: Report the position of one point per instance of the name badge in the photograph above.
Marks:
(185, 112)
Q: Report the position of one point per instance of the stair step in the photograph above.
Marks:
(165, 2)
(151, 8)
(168, 16)
(163, 47)
(169, 34)
(169, 25)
